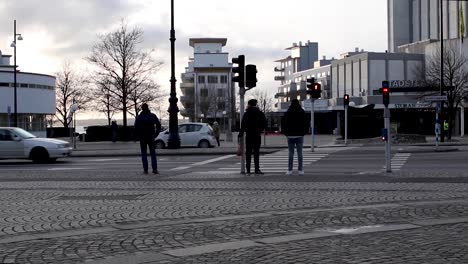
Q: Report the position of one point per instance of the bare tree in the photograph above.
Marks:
(103, 99)
(455, 76)
(148, 91)
(265, 101)
(118, 59)
(207, 100)
(70, 88)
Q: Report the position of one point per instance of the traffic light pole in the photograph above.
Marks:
(438, 124)
(345, 124)
(312, 101)
(241, 139)
(388, 151)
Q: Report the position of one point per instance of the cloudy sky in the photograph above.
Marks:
(59, 30)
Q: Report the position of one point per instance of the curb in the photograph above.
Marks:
(432, 149)
(175, 153)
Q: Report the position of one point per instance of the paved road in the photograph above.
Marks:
(346, 209)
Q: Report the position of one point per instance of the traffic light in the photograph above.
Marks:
(385, 93)
(346, 99)
(240, 70)
(250, 76)
(310, 85)
(317, 91)
(384, 135)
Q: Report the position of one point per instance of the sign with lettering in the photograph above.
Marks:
(413, 105)
(435, 98)
(406, 83)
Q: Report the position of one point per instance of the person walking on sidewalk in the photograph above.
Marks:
(253, 123)
(114, 128)
(216, 131)
(147, 128)
(295, 126)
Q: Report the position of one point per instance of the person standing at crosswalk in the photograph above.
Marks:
(253, 123)
(295, 126)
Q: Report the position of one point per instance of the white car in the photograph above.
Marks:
(191, 135)
(16, 143)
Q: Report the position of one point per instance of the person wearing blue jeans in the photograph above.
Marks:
(295, 142)
(295, 125)
(147, 128)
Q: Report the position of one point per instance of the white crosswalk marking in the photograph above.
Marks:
(278, 161)
(399, 160)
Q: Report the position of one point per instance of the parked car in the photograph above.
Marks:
(16, 143)
(191, 135)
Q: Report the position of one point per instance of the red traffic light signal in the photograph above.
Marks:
(385, 93)
(316, 93)
(346, 99)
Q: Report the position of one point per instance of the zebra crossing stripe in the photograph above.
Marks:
(278, 162)
(399, 160)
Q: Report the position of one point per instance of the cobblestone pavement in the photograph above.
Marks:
(199, 217)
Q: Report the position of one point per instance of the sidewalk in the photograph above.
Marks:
(271, 144)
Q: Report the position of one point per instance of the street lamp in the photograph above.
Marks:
(16, 36)
(201, 117)
(173, 141)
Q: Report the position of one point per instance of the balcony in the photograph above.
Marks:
(278, 69)
(279, 78)
(187, 77)
(187, 85)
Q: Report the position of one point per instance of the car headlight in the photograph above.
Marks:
(63, 145)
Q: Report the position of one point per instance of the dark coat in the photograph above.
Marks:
(253, 122)
(147, 126)
(295, 122)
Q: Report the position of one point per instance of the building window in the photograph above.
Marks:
(204, 92)
(212, 79)
(221, 105)
(223, 78)
(220, 93)
(201, 79)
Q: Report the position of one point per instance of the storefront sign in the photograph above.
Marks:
(406, 83)
(413, 105)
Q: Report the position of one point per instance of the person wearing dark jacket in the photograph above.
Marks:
(147, 128)
(295, 126)
(253, 123)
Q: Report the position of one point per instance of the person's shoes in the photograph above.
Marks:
(259, 172)
(300, 172)
(156, 172)
(289, 172)
(145, 172)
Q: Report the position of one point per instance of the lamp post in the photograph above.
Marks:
(173, 141)
(224, 121)
(13, 44)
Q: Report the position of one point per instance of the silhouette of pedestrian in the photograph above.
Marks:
(147, 128)
(253, 123)
(217, 131)
(114, 128)
(295, 126)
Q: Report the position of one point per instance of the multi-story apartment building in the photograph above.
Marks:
(414, 26)
(412, 21)
(207, 89)
(295, 69)
(35, 97)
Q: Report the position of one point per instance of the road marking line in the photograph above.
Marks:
(203, 162)
(59, 169)
(98, 160)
